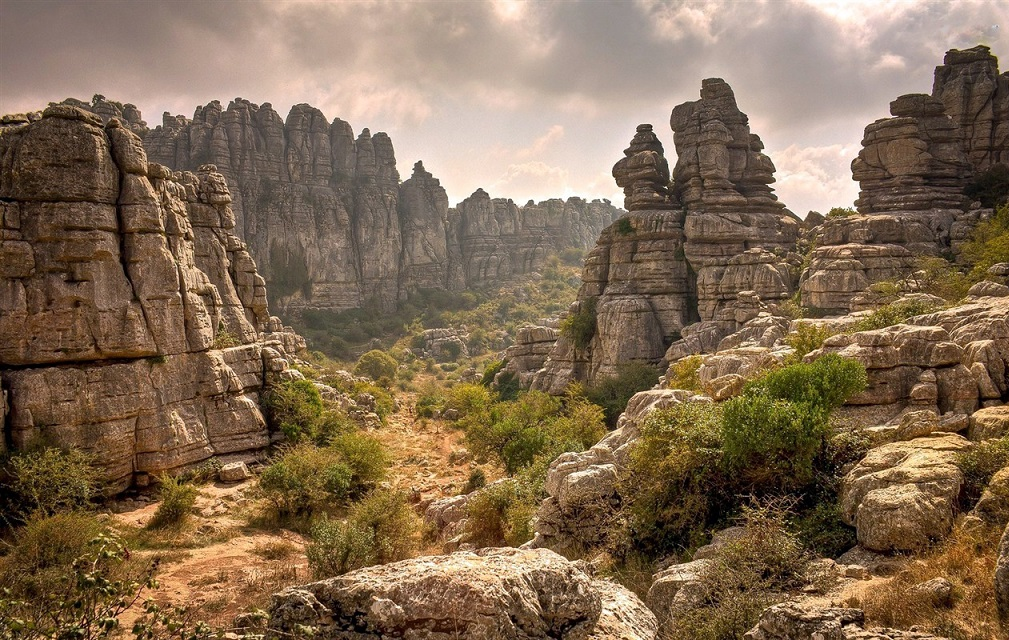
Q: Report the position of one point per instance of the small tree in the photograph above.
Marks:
(376, 364)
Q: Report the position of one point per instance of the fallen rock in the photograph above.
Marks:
(234, 472)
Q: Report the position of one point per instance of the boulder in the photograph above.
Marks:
(234, 472)
(493, 594)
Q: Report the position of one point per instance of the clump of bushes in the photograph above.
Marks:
(380, 528)
(501, 514)
(306, 480)
(806, 339)
(894, 313)
(978, 464)
(685, 374)
(45, 481)
(613, 393)
(295, 407)
(580, 326)
(377, 365)
(177, 500)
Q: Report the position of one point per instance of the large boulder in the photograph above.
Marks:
(796, 621)
(902, 495)
(495, 594)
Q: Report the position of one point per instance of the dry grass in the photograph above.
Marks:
(967, 560)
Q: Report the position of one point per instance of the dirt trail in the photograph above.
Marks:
(224, 566)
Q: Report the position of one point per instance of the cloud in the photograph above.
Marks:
(529, 180)
(540, 144)
(816, 178)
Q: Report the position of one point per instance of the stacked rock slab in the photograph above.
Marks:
(912, 171)
(712, 244)
(118, 278)
(332, 228)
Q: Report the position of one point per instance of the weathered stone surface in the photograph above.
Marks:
(993, 506)
(234, 472)
(988, 423)
(491, 595)
(1002, 577)
(902, 495)
(125, 279)
(797, 621)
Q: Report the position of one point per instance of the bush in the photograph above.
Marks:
(376, 364)
(580, 326)
(991, 186)
(978, 465)
(294, 406)
(364, 456)
(988, 244)
(893, 313)
(746, 576)
(807, 338)
(380, 529)
(500, 515)
(490, 371)
(477, 480)
(306, 479)
(177, 500)
(684, 373)
(625, 227)
(469, 399)
(613, 393)
(429, 401)
(841, 212)
(46, 481)
(675, 483)
(821, 530)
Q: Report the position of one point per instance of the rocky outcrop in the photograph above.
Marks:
(710, 243)
(902, 495)
(494, 594)
(912, 171)
(120, 284)
(328, 221)
(795, 621)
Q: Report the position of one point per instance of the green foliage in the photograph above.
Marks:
(894, 313)
(572, 256)
(177, 500)
(613, 393)
(991, 186)
(841, 212)
(774, 431)
(515, 432)
(988, 244)
(294, 406)
(384, 400)
(807, 338)
(376, 364)
(430, 400)
(676, 483)
(508, 386)
(84, 598)
(580, 326)
(490, 371)
(225, 339)
(978, 464)
(305, 480)
(41, 551)
(625, 227)
(477, 480)
(939, 277)
(684, 374)
(820, 529)
(469, 399)
(379, 529)
(46, 480)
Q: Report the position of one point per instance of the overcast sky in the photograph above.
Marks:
(524, 99)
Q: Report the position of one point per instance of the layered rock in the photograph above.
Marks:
(797, 621)
(119, 279)
(712, 245)
(332, 228)
(494, 594)
(912, 171)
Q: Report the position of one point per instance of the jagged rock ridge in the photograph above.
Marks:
(118, 279)
(709, 243)
(330, 225)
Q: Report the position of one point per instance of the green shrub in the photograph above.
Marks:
(47, 480)
(469, 399)
(508, 386)
(893, 313)
(675, 486)
(684, 373)
(821, 530)
(580, 326)
(991, 186)
(625, 227)
(978, 465)
(380, 529)
(225, 339)
(825, 383)
(841, 212)
(940, 277)
(177, 500)
(988, 244)
(376, 364)
(500, 514)
(490, 371)
(429, 401)
(477, 480)
(807, 338)
(364, 456)
(294, 406)
(613, 393)
(305, 479)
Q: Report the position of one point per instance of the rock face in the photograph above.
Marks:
(794, 621)
(327, 219)
(119, 282)
(912, 171)
(496, 594)
(710, 243)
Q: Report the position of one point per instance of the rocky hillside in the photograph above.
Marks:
(332, 227)
(134, 323)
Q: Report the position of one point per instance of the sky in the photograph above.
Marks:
(525, 99)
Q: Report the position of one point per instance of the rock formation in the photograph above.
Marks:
(912, 171)
(495, 594)
(120, 282)
(330, 225)
(711, 245)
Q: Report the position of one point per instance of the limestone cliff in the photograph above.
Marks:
(119, 281)
(326, 218)
(912, 171)
(708, 243)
